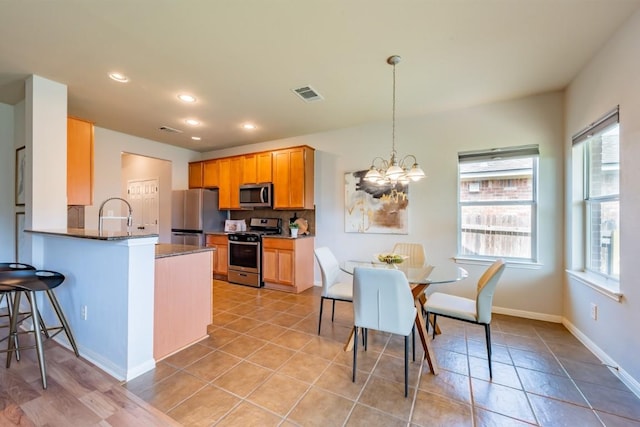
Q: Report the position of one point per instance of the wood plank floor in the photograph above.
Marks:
(77, 394)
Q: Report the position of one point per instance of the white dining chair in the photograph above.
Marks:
(476, 311)
(415, 252)
(332, 287)
(382, 301)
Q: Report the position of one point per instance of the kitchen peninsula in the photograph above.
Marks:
(109, 293)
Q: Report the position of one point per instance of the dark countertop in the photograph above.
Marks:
(82, 233)
(271, 236)
(288, 236)
(164, 250)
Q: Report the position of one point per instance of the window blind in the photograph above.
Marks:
(599, 125)
(499, 153)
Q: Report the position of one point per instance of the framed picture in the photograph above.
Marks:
(19, 234)
(21, 164)
(373, 208)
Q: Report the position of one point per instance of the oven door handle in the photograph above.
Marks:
(235, 242)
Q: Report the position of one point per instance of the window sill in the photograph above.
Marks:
(510, 263)
(599, 284)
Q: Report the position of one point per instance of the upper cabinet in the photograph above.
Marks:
(256, 168)
(230, 175)
(290, 170)
(79, 162)
(293, 170)
(211, 174)
(195, 174)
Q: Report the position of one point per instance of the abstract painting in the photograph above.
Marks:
(374, 208)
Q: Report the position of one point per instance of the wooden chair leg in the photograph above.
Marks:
(333, 309)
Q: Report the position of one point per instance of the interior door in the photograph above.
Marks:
(143, 197)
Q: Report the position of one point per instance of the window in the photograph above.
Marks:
(601, 195)
(497, 203)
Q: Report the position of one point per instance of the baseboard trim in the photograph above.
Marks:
(527, 314)
(107, 366)
(606, 360)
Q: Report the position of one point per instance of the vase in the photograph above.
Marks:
(294, 232)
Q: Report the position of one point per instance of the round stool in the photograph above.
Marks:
(7, 291)
(30, 282)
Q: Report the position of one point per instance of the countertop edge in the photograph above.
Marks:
(81, 233)
(165, 250)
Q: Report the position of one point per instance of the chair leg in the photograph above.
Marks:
(63, 321)
(365, 338)
(487, 333)
(333, 309)
(413, 341)
(406, 366)
(320, 318)
(355, 352)
(434, 324)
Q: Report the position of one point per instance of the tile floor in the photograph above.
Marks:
(265, 365)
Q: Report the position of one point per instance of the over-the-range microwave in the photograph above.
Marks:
(256, 195)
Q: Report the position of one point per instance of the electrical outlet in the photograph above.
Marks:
(594, 311)
(83, 312)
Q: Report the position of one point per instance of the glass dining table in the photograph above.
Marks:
(420, 277)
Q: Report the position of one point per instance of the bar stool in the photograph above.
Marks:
(29, 282)
(6, 293)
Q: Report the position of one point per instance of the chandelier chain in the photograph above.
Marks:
(394, 170)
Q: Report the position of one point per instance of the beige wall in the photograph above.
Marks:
(436, 140)
(611, 78)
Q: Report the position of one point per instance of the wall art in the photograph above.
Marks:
(373, 208)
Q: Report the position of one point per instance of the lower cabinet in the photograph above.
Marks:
(221, 257)
(287, 264)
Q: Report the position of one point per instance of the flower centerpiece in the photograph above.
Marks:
(293, 227)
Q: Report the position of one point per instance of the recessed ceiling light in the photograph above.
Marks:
(187, 98)
(121, 78)
(196, 138)
(192, 122)
(249, 126)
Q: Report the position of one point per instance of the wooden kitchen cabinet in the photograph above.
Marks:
(211, 174)
(230, 176)
(256, 168)
(195, 174)
(221, 257)
(293, 171)
(287, 264)
(79, 162)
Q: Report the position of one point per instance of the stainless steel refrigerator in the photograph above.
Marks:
(193, 213)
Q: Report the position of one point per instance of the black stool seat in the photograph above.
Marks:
(29, 282)
(12, 266)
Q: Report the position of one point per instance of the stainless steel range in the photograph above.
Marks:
(245, 251)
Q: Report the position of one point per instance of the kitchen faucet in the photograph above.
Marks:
(128, 218)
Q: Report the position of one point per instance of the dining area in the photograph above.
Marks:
(389, 294)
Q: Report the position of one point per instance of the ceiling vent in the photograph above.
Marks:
(308, 94)
(169, 129)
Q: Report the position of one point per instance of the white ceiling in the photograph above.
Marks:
(241, 58)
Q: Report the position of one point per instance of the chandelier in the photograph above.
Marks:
(394, 171)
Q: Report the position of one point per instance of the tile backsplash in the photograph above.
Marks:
(285, 215)
(75, 216)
